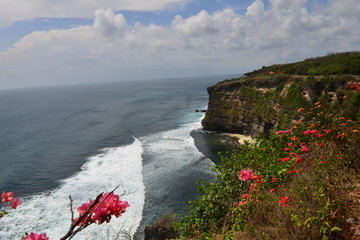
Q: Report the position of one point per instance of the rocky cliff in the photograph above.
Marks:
(254, 105)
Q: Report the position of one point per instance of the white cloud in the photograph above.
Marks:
(15, 10)
(222, 42)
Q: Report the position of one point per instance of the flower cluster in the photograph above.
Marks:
(283, 201)
(246, 175)
(9, 197)
(354, 86)
(35, 236)
(284, 131)
(108, 205)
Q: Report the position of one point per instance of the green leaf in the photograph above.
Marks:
(335, 229)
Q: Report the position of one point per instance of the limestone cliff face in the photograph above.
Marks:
(253, 106)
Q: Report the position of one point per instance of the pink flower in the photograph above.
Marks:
(294, 138)
(286, 149)
(327, 130)
(312, 132)
(246, 175)
(15, 202)
(274, 179)
(320, 135)
(298, 160)
(290, 144)
(82, 209)
(285, 159)
(283, 131)
(35, 236)
(283, 201)
(272, 190)
(340, 135)
(245, 196)
(7, 196)
(242, 203)
(304, 149)
(109, 204)
(292, 154)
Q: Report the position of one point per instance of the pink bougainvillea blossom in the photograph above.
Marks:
(7, 196)
(320, 135)
(283, 131)
(109, 204)
(285, 159)
(311, 132)
(327, 131)
(246, 175)
(242, 203)
(15, 202)
(304, 149)
(294, 138)
(283, 201)
(245, 196)
(35, 236)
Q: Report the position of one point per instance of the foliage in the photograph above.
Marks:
(332, 64)
(297, 187)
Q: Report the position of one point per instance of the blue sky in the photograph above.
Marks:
(17, 30)
(68, 42)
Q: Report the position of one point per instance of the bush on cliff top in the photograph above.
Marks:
(294, 185)
(332, 64)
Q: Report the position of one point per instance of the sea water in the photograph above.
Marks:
(83, 140)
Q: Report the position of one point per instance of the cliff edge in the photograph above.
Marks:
(255, 103)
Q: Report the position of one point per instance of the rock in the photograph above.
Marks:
(254, 106)
(159, 233)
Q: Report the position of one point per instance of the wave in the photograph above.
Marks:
(171, 166)
(49, 212)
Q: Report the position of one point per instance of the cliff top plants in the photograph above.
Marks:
(332, 64)
(293, 185)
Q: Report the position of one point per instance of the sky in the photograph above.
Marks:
(50, 42)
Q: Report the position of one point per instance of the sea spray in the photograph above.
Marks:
(172, 165)
(49, 212)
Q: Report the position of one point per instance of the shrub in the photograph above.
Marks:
(298, 187)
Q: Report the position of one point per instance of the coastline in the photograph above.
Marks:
(214, 145)
(239, 138)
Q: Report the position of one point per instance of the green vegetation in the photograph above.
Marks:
(332, 64)
(299, 181)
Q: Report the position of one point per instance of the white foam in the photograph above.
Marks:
(174, 150)
(49, 212)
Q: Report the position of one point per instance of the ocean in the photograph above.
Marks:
(82, 140)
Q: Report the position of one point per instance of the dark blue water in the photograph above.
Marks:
(80, 139)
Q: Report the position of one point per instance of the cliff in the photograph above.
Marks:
(255, 103)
